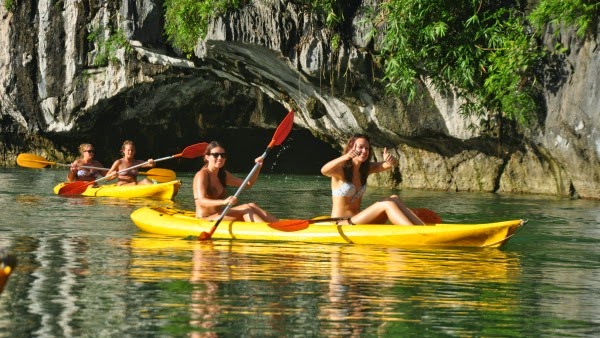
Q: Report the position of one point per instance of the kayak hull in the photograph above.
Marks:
(181, 223)
(166, 190)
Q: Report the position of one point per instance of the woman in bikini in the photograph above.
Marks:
(128, 177)
(210, 196)
(77, 172)
(349, 174)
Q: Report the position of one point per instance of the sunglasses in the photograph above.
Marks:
(216, 155)
(91, 151)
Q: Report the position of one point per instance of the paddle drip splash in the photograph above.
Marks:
(281, 151)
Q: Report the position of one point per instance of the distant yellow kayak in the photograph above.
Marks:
(182, 223)
(166, 190)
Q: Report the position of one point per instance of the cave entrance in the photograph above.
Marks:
(301, 153)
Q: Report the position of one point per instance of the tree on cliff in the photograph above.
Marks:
(487, 51)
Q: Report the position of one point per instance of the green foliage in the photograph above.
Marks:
(8, 4)
(335, 41)
(330, 10)
(478, 48)
(107, 47)
(186, 21)
(483, 49)
(582, 14)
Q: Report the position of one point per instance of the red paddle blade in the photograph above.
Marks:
(290, 225)
(283, 129)
(427, 216)
(74, 188)
(204, 236)
(195, 150)
(8, 262)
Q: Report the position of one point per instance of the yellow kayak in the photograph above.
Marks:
(182, 223)
(166, 190)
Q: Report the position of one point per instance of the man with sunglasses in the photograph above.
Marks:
(78, 171)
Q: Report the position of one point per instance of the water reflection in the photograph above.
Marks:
(295, 260)
(84, 269)
(302, 260)
(345, 285)
(204, 307)
(29, 200)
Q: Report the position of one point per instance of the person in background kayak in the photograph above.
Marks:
(349, 174)
(128, 177)
(210, 196)
(77, 173)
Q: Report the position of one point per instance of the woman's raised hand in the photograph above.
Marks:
(388, 158)
(353, 153)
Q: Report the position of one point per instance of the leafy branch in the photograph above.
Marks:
(582, 14)
(107, 47)
(477, 48)
(186, 21)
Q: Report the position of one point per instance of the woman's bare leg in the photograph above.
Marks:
(262, 214)
(414, 219)
(387, 208)
(145, 181)
(250, 212)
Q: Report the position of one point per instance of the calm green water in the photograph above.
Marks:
(86, 271)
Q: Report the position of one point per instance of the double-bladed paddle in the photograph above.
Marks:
(36, 161)
(281, 133)
(76, 188)
(289, 225)
(160, 175)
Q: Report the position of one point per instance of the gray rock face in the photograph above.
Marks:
(258, 62)
(572, 127)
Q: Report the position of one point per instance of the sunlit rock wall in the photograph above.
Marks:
(289, 56)
(267, 54)
(572, 128)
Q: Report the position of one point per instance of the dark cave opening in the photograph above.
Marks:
(300, 153)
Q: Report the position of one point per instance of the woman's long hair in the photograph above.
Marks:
(221, 174)
(364, 167)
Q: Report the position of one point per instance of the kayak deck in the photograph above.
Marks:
(167, 190)
(182, 223)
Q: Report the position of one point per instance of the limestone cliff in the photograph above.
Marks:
(60, 84)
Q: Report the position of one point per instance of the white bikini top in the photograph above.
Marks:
(83, 173)
(349, 190)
